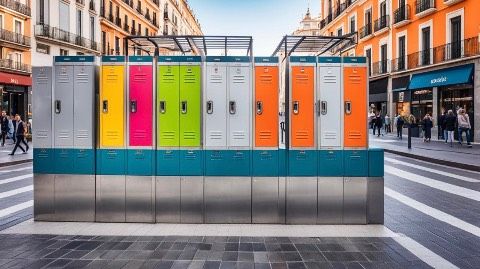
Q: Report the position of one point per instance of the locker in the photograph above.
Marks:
(63, 106)
(239, 104)
(190, 103)
(355, 102)
(215, 108)
(168, 105)
(329, 102)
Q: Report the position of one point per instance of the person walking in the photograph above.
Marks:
(427, 125)
(3, 127)
(450, 121)
(463, 126)
(387, 124)
(378, 124)
(399, 125)
(14, 128)
(441, 126)
(20, 133)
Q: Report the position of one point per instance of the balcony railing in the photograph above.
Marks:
(382, 23)
(147, 15)
(126, 28)
(424, 5)
(110, 18)
(401, 14)
(17, 6)
(118, 22)
(139, 10)
(10, 64)
(10, 36)
(341, 7)
(46, 31)
(366, 30)
(133, 32)
(380, 68)
(81, 2)
(398, 64)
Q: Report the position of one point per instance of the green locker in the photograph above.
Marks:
(190, 102)
(168, 105)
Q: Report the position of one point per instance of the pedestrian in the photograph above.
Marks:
(450, 121)
(441, 126)
(20, 133)
(399, 125)
(10, 128)
(13, 128)
(378, 124)
(427, 125)
(3, 127)
(463, 126)
(387, 124)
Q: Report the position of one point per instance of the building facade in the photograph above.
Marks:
(179, 18)
(15, 57)
(309, 25)
(424, 55)
(63, 27)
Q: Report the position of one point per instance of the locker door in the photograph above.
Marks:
(112, 109)
(355, 106)
(302, 106)
(239, 106)
(266, 106)
(63, 106)
(330, 107)
(42, 106)
(140, 105)
(168, 105)
(190, 106)
(215, 106)
(83, 107)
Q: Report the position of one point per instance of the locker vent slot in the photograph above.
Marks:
(330, 135)
(265, 135)
(140, 134)
(191, 156)
(168, 135)
(355, 79)
(82, 134)
(238, 79)
(329, 79)
(216, 79)
(112, 77)
(301, 135)
(302, 79)
(63, 134)
(82, 78)
(63, 78)
(112, 134)
(355, 135)
(189, 135)
(41, 134)
(168, 78)
(238, 135)
(216, 135)
(42, 80)
(190, 79)
(139, 78)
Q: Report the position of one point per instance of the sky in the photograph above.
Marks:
(266, 20)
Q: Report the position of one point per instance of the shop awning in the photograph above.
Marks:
(443, 77)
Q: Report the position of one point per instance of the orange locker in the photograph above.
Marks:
(355, 102)
(266, 105)
(302, 106)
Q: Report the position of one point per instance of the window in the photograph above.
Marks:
(383, 58)
(42, 48)
(63, 52)
(139, 5)
(456, 37)
(41, 12)
(92, 28)
(117, 45)
(1, 21)
(117, 12)
(340, 32)
(110, 8)
(139, 29)
(64, 20)
(383, 9)
(401, 53)
(146, 31)
(425, 54)
(368, 54)
(80, 53)
(79, 22)
(353, 26)
(368, 17)
(104, 42)
(18, 27)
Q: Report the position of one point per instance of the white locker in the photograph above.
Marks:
(329, 104)
(215, 106)
(63, 106)
(239, 105)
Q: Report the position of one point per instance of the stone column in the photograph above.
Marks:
(434, 115)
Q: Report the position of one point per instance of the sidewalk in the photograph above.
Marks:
(435, 151)
(6, 159)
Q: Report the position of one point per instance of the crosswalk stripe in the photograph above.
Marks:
(433, 212)
(16, 170)
(16, 191)
(13, 209)
(13, 179)
(439, 172)
(460, 191)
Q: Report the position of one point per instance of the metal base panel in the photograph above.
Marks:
(167, 201)
(268, 200)
(140, 199)
(75, 197)
(355, 200)
(191, 199)
(375, 196)
(44, 197)
(301, 199)
(110, 200)
(228, 199)
(330, 200)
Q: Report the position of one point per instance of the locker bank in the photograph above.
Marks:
(206, 139)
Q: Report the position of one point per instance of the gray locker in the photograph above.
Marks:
(84, 106)
(301, 199)
(239, 104)
(355, 200)
(63, 106)
(110, 204)
(215, 107)
(375, 200)
(330, 200)
(268, 200)
(140, 192)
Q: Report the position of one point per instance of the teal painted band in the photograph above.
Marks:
(322, 59)
(355, 163)
(74, 59)
(140, 162)
(111, 162)
(179, 59)
(113, 59)
(265, 163)
(375, 162)
(140, 59)
(43, 161)
(303, 59)
(302, 163)
(354, 60)
(259, 60)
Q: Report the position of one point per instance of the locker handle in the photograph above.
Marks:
(58, 106)
(348, 107)
(209, 107)
(184, 107)
(232, 107)
(317, 107)
(162, 107)
(323, 108)
(296, 107)
(105, 106)
(259, 107)
(133, 106)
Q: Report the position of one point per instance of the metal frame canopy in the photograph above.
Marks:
(201, 45)
(314, 44)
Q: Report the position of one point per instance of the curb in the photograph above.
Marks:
(15, 162)
(436, 161)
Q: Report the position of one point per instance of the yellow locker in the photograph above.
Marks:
(112, 113)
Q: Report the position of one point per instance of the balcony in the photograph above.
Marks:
(424, 8)
(147, 16)
(451, 2)
(118, 22)
(379, 68)
(133, 31)
(110, 18)
(17, 6)
(401, 16)
(139, 10)
(56, 35)
(398, 64)
(381, 24)
(366, 32)
(126, 28)
(91, 6)
(14, 40)
(156, 2)
(80, 2)
(165, 15)
(154, 21)
(10, 65)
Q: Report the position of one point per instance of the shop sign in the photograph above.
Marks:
(13, 79)
(401, 97)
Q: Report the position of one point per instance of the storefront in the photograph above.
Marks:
(400, 96)
(378, 95)
(15, 94)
